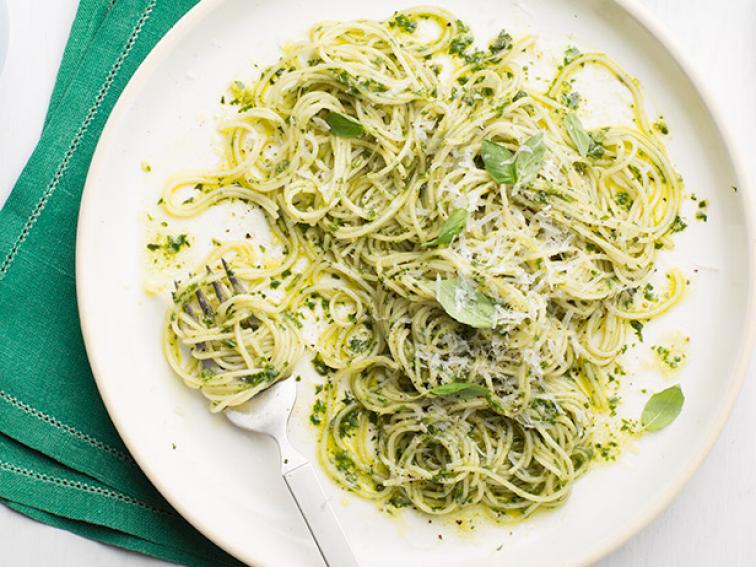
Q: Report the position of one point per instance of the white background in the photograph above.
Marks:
(710, 523)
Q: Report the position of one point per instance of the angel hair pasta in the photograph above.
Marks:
(462, 259)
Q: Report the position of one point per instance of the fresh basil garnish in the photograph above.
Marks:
(451, 228)
(461, 389)
(464, 302)
(518, 168)
(577, 133)
(498, 161)
(530, 159)
(585, 143)
(662, 408)
(344, 126)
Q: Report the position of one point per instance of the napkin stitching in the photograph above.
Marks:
(81, 486)
(74, 145)
(50, 420)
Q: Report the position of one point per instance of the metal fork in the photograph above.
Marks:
(269, 413)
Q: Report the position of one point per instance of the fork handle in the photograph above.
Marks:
(319, 517)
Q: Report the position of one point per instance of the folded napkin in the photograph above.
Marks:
(61, 460)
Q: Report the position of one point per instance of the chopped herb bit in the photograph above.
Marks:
(281, 166)
(571, 99)
(459, 44)
(403, 22)
(623, 200)
(672, 359)
(348, 423)
(171, 244)
(661, 126)
(267, 374)
(345, 465)
(518, 95)
(501, 42)
(701, 214)
(176, 243)
(399, 501)
(321, 367)
(570, 54)
(359, 345)
(355, 84)
(648, 293)
(678, 225)
(638, 328)
(318, 409)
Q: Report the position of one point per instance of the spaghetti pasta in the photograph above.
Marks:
(459, 255)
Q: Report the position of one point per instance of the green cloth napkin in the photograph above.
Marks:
(61, 460)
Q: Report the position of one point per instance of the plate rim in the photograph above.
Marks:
(649, 22)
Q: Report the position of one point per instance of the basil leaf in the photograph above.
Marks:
(577, 133)
(462, 389)
(519, 168)
(586, 143)
(662, 408)
(344, 126)
(464, 302)
(529, 160)
(499, 162)
(452, 227)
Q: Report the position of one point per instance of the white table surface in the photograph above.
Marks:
(710, 523)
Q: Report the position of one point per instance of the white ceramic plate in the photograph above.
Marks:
(227, 482)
